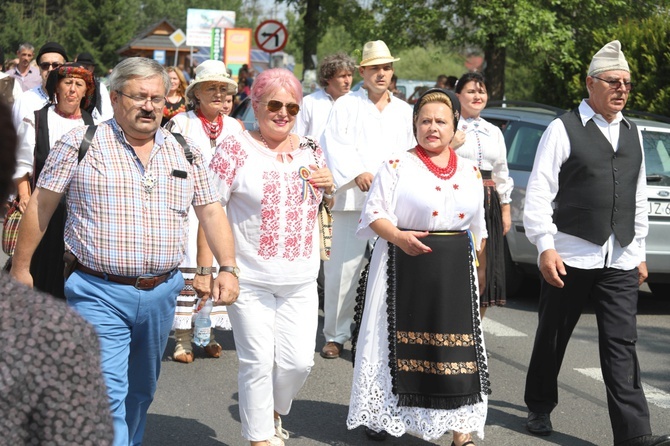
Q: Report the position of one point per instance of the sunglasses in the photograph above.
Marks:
(274, 106)
(45, 65)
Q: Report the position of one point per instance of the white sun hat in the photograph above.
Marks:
(212, 71)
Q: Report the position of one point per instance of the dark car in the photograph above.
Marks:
(523, 127)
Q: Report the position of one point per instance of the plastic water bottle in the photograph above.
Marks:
(203, 325)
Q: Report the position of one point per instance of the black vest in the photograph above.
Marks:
(597, 186)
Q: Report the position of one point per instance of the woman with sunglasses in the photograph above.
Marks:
(71, 89)
(207, 125)
(272, 182)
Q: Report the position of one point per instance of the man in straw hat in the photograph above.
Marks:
(363, 129)
(591, 247)
(127, 202)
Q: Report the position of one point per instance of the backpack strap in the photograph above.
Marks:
(90, 133)
(187, 150)
(86, 142)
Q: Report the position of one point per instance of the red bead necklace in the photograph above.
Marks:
(212, 129)
(441, 172)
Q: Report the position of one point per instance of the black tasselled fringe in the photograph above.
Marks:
(358, 309)
(390, 312)
(476, 323)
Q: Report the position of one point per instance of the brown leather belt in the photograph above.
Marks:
(139, 282)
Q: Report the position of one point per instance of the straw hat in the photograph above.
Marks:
(214, 71)
(376, 53)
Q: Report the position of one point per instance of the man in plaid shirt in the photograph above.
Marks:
(127, 224)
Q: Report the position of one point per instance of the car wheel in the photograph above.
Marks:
(513, 275)
(660, 289)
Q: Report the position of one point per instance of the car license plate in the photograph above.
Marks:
(659, 208)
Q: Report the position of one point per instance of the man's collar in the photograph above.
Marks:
(586, 113)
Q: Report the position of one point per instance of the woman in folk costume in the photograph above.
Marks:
(71, 89)
(485, 145)
(206, 125)
(420, 363)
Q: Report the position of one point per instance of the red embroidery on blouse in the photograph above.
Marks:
(269, 228)
(435, 213)
(394, 163)
(456, 186)
(461, 215)
(438, 188)
(228, 158)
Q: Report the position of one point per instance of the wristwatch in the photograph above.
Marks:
(235, 271)
(204, 270)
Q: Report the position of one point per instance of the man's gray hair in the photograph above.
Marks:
(332, 64)
(26, 46)
(137, 68)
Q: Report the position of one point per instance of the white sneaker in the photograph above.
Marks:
(275, 441)
(280, 432)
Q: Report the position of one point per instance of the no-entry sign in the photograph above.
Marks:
(271, 36)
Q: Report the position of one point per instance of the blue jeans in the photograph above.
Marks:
(133, 327)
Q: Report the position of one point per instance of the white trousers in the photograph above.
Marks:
(275, 329)
(341, 275)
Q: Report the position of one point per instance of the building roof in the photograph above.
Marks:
(154, 37)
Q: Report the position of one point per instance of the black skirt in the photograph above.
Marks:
(494, 292)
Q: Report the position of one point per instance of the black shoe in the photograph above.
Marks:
(539, 423)
(647, 440)
(374, 435)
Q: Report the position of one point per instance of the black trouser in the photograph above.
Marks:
(614, 294)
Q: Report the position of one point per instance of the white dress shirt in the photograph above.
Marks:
(313, 116)
(27, 103)
(358, 138)
(485, 145)
(553, 150)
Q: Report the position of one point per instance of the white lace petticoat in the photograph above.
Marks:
(374, 405)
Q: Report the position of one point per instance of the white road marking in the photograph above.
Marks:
(654, 395)
(494, 328)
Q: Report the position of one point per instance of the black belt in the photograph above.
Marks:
(139, 282)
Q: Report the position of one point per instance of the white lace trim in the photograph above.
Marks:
(374, 405)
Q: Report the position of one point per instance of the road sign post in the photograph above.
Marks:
(177, 38)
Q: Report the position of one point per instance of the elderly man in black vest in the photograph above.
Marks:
(586, 213)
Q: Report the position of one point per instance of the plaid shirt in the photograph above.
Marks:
(117, 223)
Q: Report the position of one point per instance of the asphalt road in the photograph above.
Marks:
(196, 404)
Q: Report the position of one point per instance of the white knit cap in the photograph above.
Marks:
(608, 58)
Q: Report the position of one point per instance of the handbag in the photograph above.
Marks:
(325, 231)
(10, 228)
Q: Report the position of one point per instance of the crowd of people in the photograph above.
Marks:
(160, 201)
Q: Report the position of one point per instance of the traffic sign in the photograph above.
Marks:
(271, 36)
(178, 38)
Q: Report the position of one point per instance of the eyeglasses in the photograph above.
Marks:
(139, 101)
(45, 65)
(617, 83)
(274, 106)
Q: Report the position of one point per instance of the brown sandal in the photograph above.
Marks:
(213, 350)
(185, 357)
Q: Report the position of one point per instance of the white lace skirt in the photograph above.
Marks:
(373, 403)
